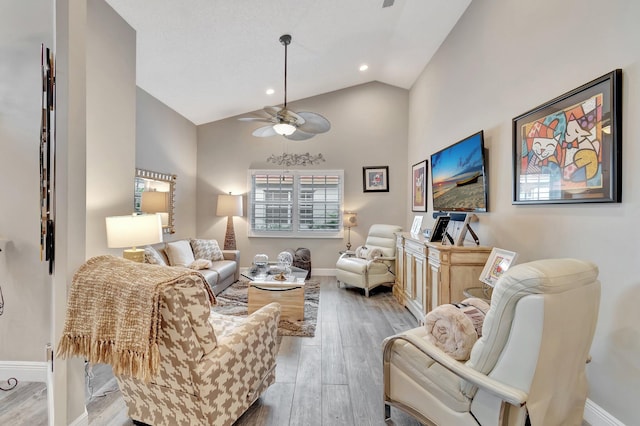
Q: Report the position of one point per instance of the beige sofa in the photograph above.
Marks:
(222, 270)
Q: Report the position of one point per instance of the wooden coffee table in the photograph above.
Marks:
(289, 294)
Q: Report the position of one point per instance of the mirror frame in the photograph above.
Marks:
(160, 177)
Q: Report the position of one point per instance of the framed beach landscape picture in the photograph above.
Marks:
(459, 176)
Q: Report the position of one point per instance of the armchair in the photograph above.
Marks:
(529, 362)
(175, 361)
(368, 273)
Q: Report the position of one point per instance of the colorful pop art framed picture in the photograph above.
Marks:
(569, 150)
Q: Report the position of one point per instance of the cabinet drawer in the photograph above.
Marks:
(414, 247)
(470, 257)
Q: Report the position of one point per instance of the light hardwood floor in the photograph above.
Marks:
(334, 378)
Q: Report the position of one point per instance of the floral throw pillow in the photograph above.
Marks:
(206, 249)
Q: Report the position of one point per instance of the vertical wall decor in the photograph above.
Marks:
(47, 159)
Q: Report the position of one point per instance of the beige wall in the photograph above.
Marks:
(166, 143)
(369, 128)
(501, 60)
(111, 121)
(24, 326)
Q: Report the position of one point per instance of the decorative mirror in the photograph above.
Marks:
(154, 193)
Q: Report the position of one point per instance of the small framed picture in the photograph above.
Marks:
(375, 179)
(417, 224)
(498, 263)
(439, 228)
(419, 187)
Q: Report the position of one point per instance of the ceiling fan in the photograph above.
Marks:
(296, 126)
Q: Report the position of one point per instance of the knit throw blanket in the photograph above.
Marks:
(113, 313)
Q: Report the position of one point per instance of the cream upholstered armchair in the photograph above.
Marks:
(529, 362)
(376, 263)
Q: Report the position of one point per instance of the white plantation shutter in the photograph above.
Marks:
(296, 203)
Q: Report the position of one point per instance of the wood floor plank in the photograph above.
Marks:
(333, 369)
(288, 359)
(336, 406)
(272, 409)
(306, 409)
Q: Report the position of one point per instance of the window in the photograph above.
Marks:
(296, 203)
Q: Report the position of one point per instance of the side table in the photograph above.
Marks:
(483, 292)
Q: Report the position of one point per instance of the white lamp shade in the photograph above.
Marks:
(154, 202)
(284, 129)
(229, 205)
(133, 230)
(350, 219)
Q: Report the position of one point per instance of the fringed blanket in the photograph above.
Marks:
(113, 313)
(455, 328)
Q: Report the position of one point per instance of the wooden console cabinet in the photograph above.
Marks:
(431, 274)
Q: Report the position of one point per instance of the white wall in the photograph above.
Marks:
(166, 142)
(502, 59)
(368, 128)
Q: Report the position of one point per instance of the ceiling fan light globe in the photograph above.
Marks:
(284, 129)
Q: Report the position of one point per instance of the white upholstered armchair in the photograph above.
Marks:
(376, 263)
(530, 360)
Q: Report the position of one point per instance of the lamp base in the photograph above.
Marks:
(136, 255)
(230, 236)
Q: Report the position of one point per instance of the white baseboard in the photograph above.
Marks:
(597, 416)
(23, 371)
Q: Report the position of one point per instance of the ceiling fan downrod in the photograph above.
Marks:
(285, 39)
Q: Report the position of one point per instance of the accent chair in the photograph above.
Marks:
(529, 363)
(368, 272)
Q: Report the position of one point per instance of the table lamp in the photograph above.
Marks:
(156, 202)
(132, 231)
(350, 220)
(229, 205)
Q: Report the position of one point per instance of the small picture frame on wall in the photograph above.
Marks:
(419, 187)
(375, 179)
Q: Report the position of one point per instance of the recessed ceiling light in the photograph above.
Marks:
(364, 67)
(270, 91)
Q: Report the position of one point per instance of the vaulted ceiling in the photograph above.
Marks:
(213, 59)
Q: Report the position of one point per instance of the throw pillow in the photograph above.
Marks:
(179, 253)
(206, 249)
(152, 256)
(200, 264)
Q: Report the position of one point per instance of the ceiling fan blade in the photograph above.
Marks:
(264, 132)
(299, 135)
(314, 123)
(272, 110)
